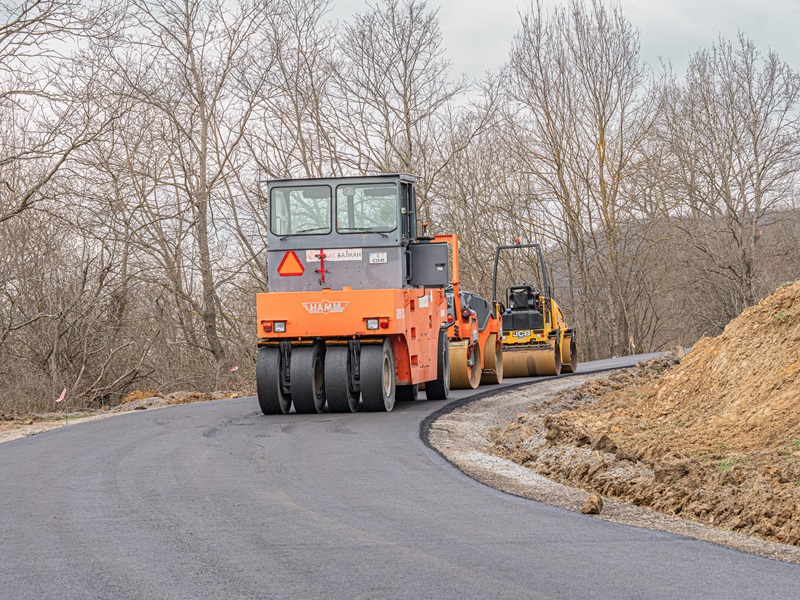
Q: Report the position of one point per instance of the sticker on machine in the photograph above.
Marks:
(334, 254)
(378, 258)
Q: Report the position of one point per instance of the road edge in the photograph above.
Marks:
(571, 498)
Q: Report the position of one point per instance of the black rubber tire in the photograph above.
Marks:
(439, 388)
(378, 377)
(341, 399)
(307, 370)
(271, 398)
(407, 393)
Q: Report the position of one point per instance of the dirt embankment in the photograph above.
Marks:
(715, 438)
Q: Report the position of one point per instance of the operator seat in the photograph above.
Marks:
(481, 307)
(523, 313)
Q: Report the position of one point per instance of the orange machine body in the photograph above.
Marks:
(411, 318)
(466, 324)
(475, 329)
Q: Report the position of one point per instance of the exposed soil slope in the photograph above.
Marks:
(715, 438)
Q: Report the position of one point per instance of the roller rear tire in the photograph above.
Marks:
(307, 369)
(271, 398)
(439, 388)
(341, 398)
(378, 377)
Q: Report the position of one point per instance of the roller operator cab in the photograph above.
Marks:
(356, 313)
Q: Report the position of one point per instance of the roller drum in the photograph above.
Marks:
(517, 363)
(462, 375)
(493, 362)
(547, 362)
(569, 355)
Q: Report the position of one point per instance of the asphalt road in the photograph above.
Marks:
(215, 500)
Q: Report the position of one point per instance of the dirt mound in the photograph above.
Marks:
(715, 438)
(139, 400)
(739, 391)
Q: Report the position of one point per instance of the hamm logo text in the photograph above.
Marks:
(325, 307)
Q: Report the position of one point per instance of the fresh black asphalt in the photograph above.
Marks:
(215, 500)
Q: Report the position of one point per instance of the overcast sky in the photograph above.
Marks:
(478, 33)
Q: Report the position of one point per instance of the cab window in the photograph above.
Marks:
(302, 210)
(370, 208)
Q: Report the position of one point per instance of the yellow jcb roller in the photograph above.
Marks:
(536, 339)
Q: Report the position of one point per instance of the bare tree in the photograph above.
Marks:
(733, 128)
(396, 94)
(200, 66)
(580, 117)
(44, 116)
(291, 135)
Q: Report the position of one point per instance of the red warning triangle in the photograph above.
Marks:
(290, 265)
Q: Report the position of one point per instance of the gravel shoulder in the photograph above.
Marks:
(462, 437)
(14, 427)
(19, 428)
